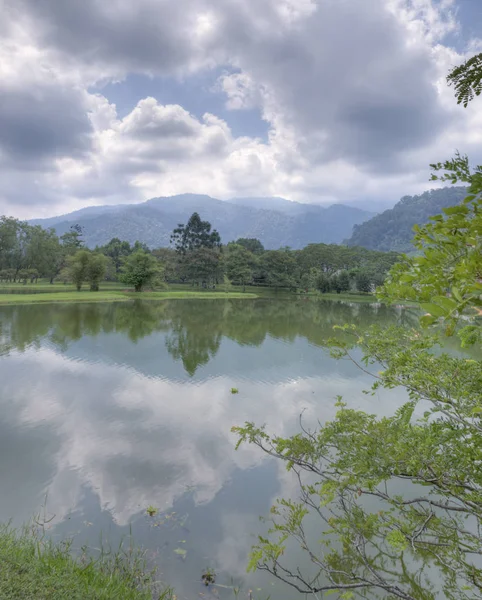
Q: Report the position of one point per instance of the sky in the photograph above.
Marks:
(318, 101)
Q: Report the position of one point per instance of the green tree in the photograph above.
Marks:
(72, 239)
(194, 235)
(8, 237)
(324, 283)
(239, 265)
(251, 244)
(417, 539)
(140, 246)
(77, 265)
(95, 270)
(203, 266)
(335, 283)
(117, 250)
(279, 268)
(16, 242)
(340, 282)
(344, 281)
(44, 252)
(398, 498)
(171, 261)
(141, 269)
(362, 282)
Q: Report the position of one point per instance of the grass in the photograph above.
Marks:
(348, 296)
(41, 292)
(33, 568)
(112, 296)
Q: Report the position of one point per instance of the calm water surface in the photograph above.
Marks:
(110, 408)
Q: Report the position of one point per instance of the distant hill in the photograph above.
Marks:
(275, 221)
(393, 229)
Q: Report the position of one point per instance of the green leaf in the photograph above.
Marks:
(456, 294)
(434, 309)
(447, 303)
(427, 320)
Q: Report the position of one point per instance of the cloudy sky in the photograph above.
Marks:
(312, 100)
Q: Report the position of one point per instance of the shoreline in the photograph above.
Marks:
(113, 296)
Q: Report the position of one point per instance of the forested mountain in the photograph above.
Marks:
(393, 229)
(286, 224)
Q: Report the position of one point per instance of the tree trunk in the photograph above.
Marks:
(138, 288)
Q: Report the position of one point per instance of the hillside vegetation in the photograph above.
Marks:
(274, 221)
(393, 229)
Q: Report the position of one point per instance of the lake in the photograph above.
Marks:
(107, 409)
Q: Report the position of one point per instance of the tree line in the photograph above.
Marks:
(196, 256)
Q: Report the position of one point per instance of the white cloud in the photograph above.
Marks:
(354, 95)
(148, 432)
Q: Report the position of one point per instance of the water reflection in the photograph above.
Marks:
(194, 328)
(112, 407)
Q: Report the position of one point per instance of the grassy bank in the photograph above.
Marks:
(35, 569)
(116, 292)
(113, 296)
(345, 297)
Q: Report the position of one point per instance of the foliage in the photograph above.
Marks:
(393, 229)
(467, 79)
(23, 247)
(72, 239)
(194, 235)
(171, 261)
(329, 260)
(359, 461)
(398, 499)
(447, 278)
(95, 271)
(324, 284)
(340, 282)
(239, 264)
(31, 252)
(141, 269)
(85, 266)
(362, 282)
(77, 265)
(117, 250)
(251, 244)
(279, 268)
(203, 267)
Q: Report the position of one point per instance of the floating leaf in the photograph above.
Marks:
(180, 552)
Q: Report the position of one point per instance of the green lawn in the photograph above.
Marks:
(34, 569)
(115, 292)
(113, 296)
(349, 297)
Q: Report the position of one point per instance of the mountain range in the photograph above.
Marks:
(393, 228)
(276, 222)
